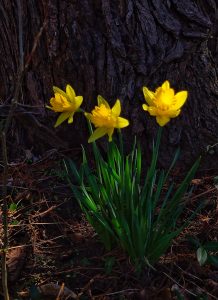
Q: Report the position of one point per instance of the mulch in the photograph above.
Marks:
(55, 254)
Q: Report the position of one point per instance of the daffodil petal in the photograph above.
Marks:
(173, 113)
(49, 107)
(70, 93)
(149, 95)
(152, 111)
(70, 119)
(53, 100)
(116, 109)
(78, 101)
(98, 133)
(110, 133)
(162, 120)
(101, 100)
(59, 91)
(180, 99)
(166, 85)
(145, 107)
(88, 116)
(121, 122)
(63, 116)
(157, 90)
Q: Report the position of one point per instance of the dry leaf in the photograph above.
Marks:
(53, 289)
(15, 262)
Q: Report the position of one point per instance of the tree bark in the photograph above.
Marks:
(113, 48)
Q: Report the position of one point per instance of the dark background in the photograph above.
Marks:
(112, 48)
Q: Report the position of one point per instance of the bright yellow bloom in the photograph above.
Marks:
(105, 119)
(66, 103)
(164, 104)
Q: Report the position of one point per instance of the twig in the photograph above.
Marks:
(86, 287)
(203, 194)
(20, 30)
(60, 292)
(27, 224)
(13, 105)
(42, 214)
(189, 274)
(5, 218)
(194, 277)
(36, 41)
(122, 291)
(173, 280)
(21, 73)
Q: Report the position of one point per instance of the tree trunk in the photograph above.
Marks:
(113, 48)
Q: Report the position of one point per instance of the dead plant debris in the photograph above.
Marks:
(55, 254)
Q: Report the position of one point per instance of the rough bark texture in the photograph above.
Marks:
(113, 48)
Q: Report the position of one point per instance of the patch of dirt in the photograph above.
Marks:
(55, 254)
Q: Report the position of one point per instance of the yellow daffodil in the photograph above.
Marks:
(65, 102)
(164, 104)
(105, 119)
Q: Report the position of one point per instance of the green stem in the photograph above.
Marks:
(121, 151)
(157, 146)
(94, 146)
(120, 141)
(155, 154)
(95, 151)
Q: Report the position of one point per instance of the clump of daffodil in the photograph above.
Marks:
(105, 119)
(164, 104)
(67, 103)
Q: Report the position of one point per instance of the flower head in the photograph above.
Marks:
(105, 119)
(65, 102)
(164, 104)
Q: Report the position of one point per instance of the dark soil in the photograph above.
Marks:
(53, 247)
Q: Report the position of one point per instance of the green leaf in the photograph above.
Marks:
(213, 260)
(125, 211)
(201, 256)
(160, 245)
(109, 264)
(211, 246)
(15, 222)
(13, 207)
(71, 167)
(176, 156)
(215, 180)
